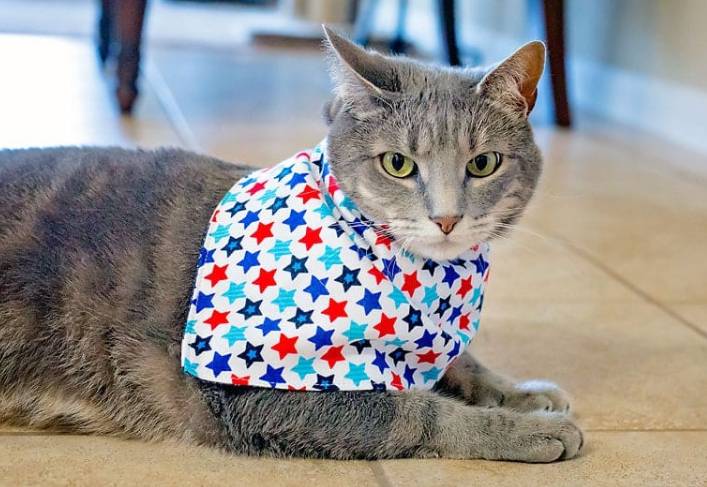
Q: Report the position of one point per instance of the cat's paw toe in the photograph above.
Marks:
(537, 395)
(557, 438)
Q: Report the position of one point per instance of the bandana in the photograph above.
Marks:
(296, 290)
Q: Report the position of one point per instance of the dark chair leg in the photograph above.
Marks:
(449, 32)
(555, 31)
(105, 34)
(129, 17)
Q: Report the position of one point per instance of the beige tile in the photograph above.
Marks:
(695, 314)
(627, 364)
(89, 460)
(632, 214)
(638, 459)
(55, 93)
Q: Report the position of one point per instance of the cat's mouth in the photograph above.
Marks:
(440, 248)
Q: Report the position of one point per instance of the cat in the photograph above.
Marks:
(98, 252)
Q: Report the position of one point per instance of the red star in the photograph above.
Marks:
(396, 382)
(215, 215)
(465, 287)
(333, 186)
(265, 279)
(377, 274)
(256, 187)
(263, 231)
(428, 357)
(293, 388)
(333, 355)
(382, 239)
(410, 284)
(240, 381)
(309, 193)
(285, 345)
(488, 272)
(311, 237)
(386, 326)
(336, 310)
(218, 274)
(464, 322)
(217, 318)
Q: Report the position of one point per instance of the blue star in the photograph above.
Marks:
(297, 178)
(220, 232)
(250, 217)
(296, 266)
(247, 181)
(190, 367)
(219, 363)
(356, 331)
(359, 226)
(398, 297)
(430, 266)
(250, 308)
(378, 386)
(456, 313)
(446, 337)
(330, 257)
(284, 300)
(251, 354)
(235, 291)
(237, 208)
(205, 257)
(413, 318)
(398, 355)
(361, 252)
(432, 374)
(295, 219)
(390, 268)
(480, 264)
(284, 172)
(273, 376)
(304, 367)
(232, 245)
(360, 345)
(450, 275)
(370, 301)
(235, 334)
(357, 373)
(380, 361)
(280, 249)
(443, 306)
(337, 229)
(201, 344)
(426, 340)
(317, 287)
(204, 301)
(321, 338)
(302, 317)
(454, 351)
(325, 383)
(348, 278)
(409, 375)
(250, 259)
(278, 204)
(269, 325)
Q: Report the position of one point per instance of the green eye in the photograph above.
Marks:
(483, 165)
(398, 165)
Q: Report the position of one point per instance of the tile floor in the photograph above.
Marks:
(603, 288)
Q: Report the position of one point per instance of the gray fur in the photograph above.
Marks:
(97, 260)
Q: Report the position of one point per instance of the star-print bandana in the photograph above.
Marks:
(295, 290)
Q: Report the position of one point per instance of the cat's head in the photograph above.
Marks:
(444, 157)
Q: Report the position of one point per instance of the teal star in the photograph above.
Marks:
(284, 300)
(430, 295)
(268, 195)
(395, 342)
(398, 297)
(235, 334)
(191, 327)
(348, 203)
(220, 232)
(432, 374)
(356, 331)
(323, 211)
(409, 255)
(280, 249)
(190, 367)
(235, 291)
(465, 338)
(475, 295)
(229, 198)
(331, 257)
(357, 373)
(475, 324)
(304, 367)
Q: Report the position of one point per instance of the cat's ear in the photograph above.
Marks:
(515, 79)
(357, 71)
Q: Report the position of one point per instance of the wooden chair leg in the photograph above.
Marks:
(129, 18)
(104, 34)
(555, 30)
(449, 32)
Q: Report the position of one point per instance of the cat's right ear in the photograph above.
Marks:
(358, 72)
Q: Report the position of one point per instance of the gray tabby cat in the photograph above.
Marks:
(98, 252)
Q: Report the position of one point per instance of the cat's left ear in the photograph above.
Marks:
(514, 80)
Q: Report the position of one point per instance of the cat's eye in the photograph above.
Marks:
(483, 165)
(398, 165)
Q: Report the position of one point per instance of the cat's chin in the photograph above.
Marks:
(439, 250)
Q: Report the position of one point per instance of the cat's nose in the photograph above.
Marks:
(446, 223)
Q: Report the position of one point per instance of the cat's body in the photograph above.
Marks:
(97, 262)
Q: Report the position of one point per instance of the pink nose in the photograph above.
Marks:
(446, 223)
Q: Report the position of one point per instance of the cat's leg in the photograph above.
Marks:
(374, 425)
(469, 380)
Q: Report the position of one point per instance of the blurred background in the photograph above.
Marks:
(602, 287)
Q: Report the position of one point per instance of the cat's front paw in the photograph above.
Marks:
(537, 395)
(543, 438)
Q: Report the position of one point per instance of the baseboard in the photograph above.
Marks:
(667, 109)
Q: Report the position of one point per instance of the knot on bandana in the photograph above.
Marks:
(296, 289)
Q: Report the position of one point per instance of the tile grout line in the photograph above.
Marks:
(628, 284)
(169, 105)
(379, 474)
